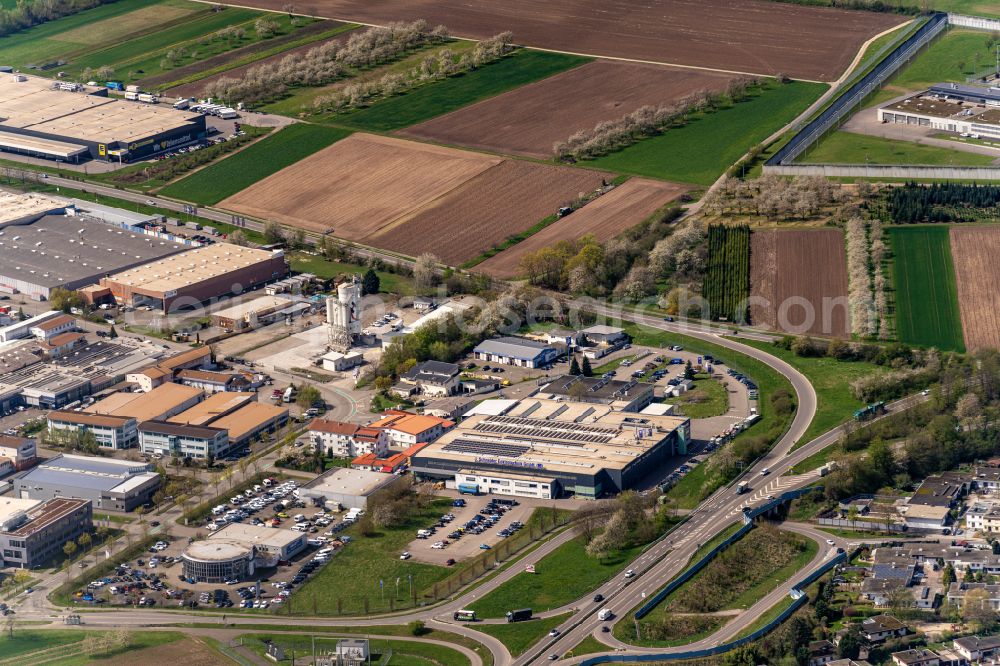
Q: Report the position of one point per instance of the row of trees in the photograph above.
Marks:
(773, 197)
(325, 63)
(613, 135)
(727, 276)
(435, 66)
(627, 266)
(940, 202)
(28, 13)
(867, 299)
(957, 425)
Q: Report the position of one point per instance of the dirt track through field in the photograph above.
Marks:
(795, 272)
(752, 36)
(620, 209)
(974, 251)
(485, 210)
(530, 119)
(359, 185)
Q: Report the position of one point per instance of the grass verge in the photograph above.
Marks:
(519, 636)
(835, 403)
(849, 148)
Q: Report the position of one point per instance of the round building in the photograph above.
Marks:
(218, 560)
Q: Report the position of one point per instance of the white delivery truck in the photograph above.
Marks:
(605, 614)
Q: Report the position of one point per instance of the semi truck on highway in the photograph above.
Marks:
(519, 615)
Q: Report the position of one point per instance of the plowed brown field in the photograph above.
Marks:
(529, 119)
(620, 209)
(359, 185)
(974, 251)
(798, 281)
(752, 36)
(487, 209)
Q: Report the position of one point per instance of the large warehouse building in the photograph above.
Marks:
(195, 276)
(73, 122)
(42, 248)
(111, 485)
(551, 448)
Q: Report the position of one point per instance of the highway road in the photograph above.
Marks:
(654, 567)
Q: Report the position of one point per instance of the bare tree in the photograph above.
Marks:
(425, 272)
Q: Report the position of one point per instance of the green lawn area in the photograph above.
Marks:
(564, 575)
(45, 42)
(707, 398)
(26, 642)
(272, 154)
(408, 653)
(832, 380)
(440, 97)
(972, 7)
(924, 281)
(940, 61)
(519, 636)
(196, 36)
(390, 283)
(589, 645)
(700, 151)
(850, 148)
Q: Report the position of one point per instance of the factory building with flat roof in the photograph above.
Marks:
(196, 276)
(115, 485)
(32, 531)
(161, 403)
(552, 448)
(38, 254)
(73, 123)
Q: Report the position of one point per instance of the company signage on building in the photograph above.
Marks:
(509, 463)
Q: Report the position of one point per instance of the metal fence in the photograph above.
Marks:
(908, 171)
(854, 95)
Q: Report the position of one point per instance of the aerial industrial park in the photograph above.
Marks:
(479, 334)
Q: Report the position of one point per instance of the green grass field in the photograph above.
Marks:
(60, 646)
(144, 54)
(519, 636)
(390, 283)
(832, 380)
(850, 148)
(269, 155)
(707, 398)
(950, 58)
(562, 576)
(701, 151)
(349, 584)
(449, 94)
(45, 42)
(924, 281)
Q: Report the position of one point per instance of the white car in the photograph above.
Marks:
(831, 542)
(437, 545)
(405, 555)
(630, 574)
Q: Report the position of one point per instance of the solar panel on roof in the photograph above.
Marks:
(486, 448)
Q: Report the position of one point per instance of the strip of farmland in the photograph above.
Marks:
(604, 218)
(506, 200)
(975, 251)
(271, 154)
(798, 281)
(924, 280)
(529, 120)
(751, 36)
(359, 185)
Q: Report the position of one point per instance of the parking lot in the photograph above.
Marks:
(458, 538)
(157, 579)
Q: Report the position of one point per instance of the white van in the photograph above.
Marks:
(298, 518)
(605, 614)
(423, 534)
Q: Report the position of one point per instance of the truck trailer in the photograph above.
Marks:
(519, 615)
